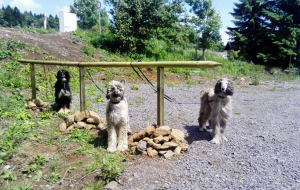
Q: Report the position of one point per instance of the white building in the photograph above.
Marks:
(67, 22)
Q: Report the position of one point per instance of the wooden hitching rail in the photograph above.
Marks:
(160, 65)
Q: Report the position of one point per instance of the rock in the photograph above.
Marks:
(184, 146)
(169, 145)
(177, 134)
(158, 139)
(89, 126)
(38, 102)
(150, 130)
(168, 155)
(134, 144)
(151, 152)
(162, 152)
(177, 150)
(70, 120)
(46, 105)
(166, 139)
(70, 127)
(94, 120)
(101, 126)
(79, 125)
(63, 127)
(87, 114)
(113, 185)
(31, 104)
(163, 130)
(92, 113)
(144, 153)
(153, 144)
(142, 146)
(79, 116)
(133, 148)
(26, 105)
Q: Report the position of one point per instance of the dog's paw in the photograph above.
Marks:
(61, 111)
(224, 138)
(216, 140)
(111, 149)
(202, 129)
(123, 148)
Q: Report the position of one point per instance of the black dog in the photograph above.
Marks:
(63, 95)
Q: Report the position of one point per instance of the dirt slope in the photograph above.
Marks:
(59, 44)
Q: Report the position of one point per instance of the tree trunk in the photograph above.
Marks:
(196, 44)
(203, 55)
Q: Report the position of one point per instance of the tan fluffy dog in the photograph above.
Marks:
(117, 117)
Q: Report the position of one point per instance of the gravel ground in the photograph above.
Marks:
(262, 151)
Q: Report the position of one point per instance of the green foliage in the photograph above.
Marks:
(54, 177)
(267, 32)
(86, 11)
(8, 175)
(134, 88)
(88, 50)
(136, 22)
(207, 22)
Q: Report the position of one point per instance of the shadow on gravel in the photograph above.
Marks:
(195, 135)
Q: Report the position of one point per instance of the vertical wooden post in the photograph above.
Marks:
(82, 89)
(33, 87)
(160, 96)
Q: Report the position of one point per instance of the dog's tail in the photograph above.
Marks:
(124, 82)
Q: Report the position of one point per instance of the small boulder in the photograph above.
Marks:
(150, 130)
(133, 148)
(79, 116)
(169, 145)
(101, 126)
(89, 126)
(63, 127)
(162, 152)
(142, 134)
(31, 105)
(184, 146)
(79, 125)
(134, 144)
(177, 134)
(38, 102)
(142, 146)
(144, 153)
(113, 185)
(168, 155)
(163, 130)
(153, 144)
(177, 150)
(70, 120)
(158, 139)
(94, 120)
(151, 152)
(70, 128)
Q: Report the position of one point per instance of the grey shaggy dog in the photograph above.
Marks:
(117, 117)
(216, 107)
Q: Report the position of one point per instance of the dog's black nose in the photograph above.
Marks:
(223, 89)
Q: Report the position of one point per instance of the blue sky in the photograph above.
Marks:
(54, 6)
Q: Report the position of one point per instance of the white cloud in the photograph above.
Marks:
(27, 5)
(65, 9)
(1, 2)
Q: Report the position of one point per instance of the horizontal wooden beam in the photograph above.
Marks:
(165, 64)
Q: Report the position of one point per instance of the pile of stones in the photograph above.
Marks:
(154, 141)
(37, 105)
(85, 119)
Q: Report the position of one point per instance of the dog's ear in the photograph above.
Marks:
(218, 86)
(123, 81)
(107, 93)
(230, 89)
